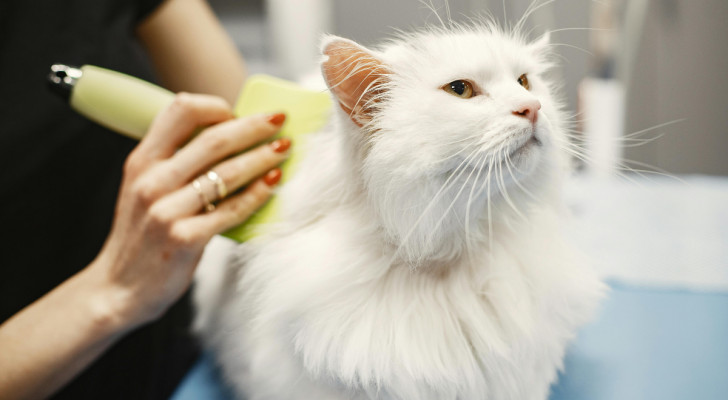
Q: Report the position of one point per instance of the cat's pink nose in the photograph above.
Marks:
(528, 109)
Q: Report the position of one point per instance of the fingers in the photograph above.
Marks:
(164, 174)
(234, 173)
(240, 170)
(219, 142)
(234, 210)
(176, 123)
(208, 148)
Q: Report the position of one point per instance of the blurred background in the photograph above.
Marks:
(628, 65)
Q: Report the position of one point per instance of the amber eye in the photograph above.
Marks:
(523, 81)
(460, 88)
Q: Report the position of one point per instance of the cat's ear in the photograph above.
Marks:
(542, 44)
(355, 76)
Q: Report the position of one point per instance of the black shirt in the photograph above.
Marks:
(59, 178)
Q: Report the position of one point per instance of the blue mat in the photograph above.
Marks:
(651, 344)
(646, 344)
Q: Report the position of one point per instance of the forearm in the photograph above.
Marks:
(48, 343)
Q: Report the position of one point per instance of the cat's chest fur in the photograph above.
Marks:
(338, 320)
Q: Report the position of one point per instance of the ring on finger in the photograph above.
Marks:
(219, 184)
(210, 188)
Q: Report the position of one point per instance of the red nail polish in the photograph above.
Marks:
(277, 119)
(273, 176)
(281, 145)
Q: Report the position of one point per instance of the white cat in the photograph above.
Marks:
(420, 254)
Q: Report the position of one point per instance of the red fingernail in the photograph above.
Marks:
(273, 176)
(277, 119)
(281, 145)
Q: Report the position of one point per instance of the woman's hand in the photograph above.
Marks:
(163, 221)
(165, 212)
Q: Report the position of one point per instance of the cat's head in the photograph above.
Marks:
(446, 126)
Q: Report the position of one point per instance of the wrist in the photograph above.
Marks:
(107, 306)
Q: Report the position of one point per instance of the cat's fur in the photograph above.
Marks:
(420, 255)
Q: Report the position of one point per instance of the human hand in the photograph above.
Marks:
(165, 214)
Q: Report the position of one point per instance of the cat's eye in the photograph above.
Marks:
(523, 81)
(460, 88)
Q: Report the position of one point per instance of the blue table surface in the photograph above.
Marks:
(645, 344)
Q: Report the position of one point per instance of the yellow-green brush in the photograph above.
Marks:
(128, 105)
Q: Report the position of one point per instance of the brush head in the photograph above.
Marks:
(306, 111)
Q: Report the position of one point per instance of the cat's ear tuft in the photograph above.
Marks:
(355, 76)
(542, 43)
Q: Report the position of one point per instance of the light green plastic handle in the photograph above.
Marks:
(117, 101)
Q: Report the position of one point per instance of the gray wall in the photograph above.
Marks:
(682, 73)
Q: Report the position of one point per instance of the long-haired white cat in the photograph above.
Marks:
(420, 254)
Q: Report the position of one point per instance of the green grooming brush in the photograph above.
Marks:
(128, 105)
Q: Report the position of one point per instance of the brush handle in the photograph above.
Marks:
(117, 101)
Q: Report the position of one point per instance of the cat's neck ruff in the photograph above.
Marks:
(360, 318)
